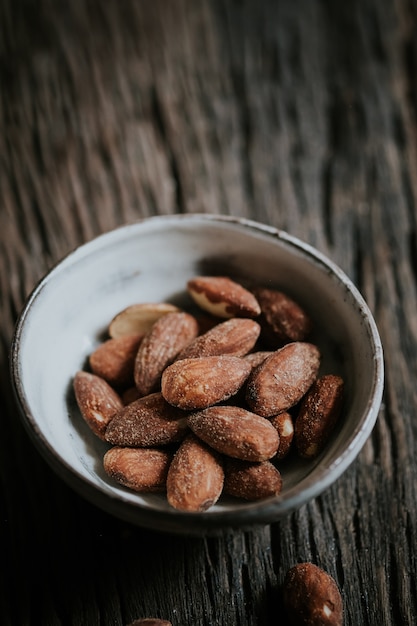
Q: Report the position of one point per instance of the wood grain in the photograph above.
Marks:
(302, 115)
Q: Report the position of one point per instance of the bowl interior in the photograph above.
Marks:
(67, 316)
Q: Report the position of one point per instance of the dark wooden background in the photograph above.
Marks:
(298, 113)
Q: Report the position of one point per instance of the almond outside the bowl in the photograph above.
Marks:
(139, 469)
(162, 343)
(97, 401)
(193, 384)
(195, 476)
(137, 319)
(283, 378)
(223, 297)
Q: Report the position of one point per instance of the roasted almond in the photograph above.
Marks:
(198, 383)
(162, 343)
(284, 424)
(149, 421)
(114, 360)
(235, 432)
(256, 358)
(318, 414)
(137, 319)
(251, 481)
(283, 378)
(97, 400)
(195, 477)
(140, 469)
(235, 337)
(223, 297)
(312, 597)
(282, 319)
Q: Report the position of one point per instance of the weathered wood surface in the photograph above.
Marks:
(299, 114)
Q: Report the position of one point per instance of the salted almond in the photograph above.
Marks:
(251, 481)
(140, 469)
(235, 432)
(198, 383)
(137, 319)
(283, 378)
(282, 319)
(256, 358)
(235, 337)
(284, 424)
(311, 596)
(149, 421)
(195, 477)
(114, 360)
(97, 401)
(223, 297)
(318, 415)
(130, 395)
(162, 343)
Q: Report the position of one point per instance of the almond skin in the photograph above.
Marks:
(149, 421)
(235, 432)
(251, 481)
(97, 401)
(192, 384)
(311, 597)
(137, 319)
(223, 297)
(282, 319)
(114, 360)
(318, 415)
(195, 477)
(140, 469)
(160, 346)
(235, 337)
(256, 358)
(284, 424)
(283, 378)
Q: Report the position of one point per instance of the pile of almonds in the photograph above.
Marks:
(204, 404)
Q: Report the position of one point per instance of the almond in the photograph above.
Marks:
(312, 597)
(223, 297)
(283, 378)
(318, 414)
(137, 319)
(159, 347)
(282, 319)
(149, 421)
(195, 477)
(235, 432)
(198, 383)
(140, 469)
(114, 360)
(97, 401)
(251, 481)
(235, 337)
(284, 424)
(256, 358)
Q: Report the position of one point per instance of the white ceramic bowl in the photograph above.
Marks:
(150, 261)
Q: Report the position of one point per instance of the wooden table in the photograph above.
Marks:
(298, 114)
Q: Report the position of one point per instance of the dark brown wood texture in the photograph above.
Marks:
(295, 113)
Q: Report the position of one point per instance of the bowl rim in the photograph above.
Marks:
(263, 512)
